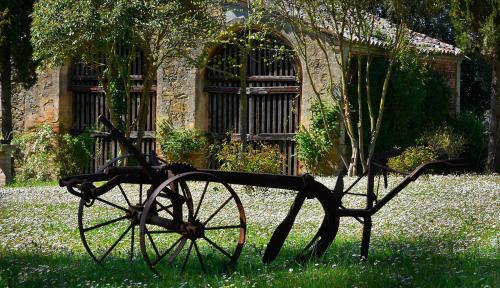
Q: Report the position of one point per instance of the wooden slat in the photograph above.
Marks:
(263, 113)
(133, 134)
(256, 137)
(153, 116)
(212, 113)
(219, 113)
(97, 89)
(83, 77)
(280, 114)
(274, 111)
(89, 102)
(253, 90)
(232, 112)
(271, 88)
(251, 114)
(254, 78)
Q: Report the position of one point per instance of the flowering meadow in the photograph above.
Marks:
(441, 231)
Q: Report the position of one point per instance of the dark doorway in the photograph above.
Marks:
(273, 98)
(88, 103)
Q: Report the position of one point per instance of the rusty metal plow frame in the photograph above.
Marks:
(168, 181)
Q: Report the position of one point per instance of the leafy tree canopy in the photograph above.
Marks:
(90, 31)
(65, 29)
(477, 24)
(16, 64)
(15, 39)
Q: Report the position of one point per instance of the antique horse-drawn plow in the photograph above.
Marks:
(171, 220)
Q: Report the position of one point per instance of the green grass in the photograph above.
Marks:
(33, 183)
(453, 242)
(394, 263)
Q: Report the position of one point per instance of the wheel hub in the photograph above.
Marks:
(194, 230)
(134, 214)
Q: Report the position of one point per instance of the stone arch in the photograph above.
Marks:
(274, 88)
(86, 101)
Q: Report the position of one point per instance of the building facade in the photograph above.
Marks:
(280, 94)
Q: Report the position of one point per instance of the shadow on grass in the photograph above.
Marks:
(392, 264)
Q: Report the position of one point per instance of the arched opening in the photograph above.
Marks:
(88, 102)
(273, 89)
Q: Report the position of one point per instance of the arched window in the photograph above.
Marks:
(273, 89)
(89, 102)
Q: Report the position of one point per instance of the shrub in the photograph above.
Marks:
(45, 155)
(314, 147)
(73, 153)
(464, 137)
(475, 133)
(34, 158)
(177, 145)
(263, 158)
(412, 157)
(316, 151)
(445, 142)
(417, 97)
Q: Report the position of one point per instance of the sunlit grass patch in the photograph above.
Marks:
(32, 183)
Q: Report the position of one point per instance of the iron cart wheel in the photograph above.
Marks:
(107, 223)
(209, 222)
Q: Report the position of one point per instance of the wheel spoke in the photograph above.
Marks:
(177, 250)
(124, 195)
(164, 208)
(223, 227)
(201, 200)
(114, 244)
(152, 242)
(218, 248)
(199, 257)
(218, 210)
(111, 204)
(189, 200)
(140, 193)
(164, 193)
(166, 252)
(105, 223)
(187, 256)
(169, 241)
(132, 244)
(165, 231)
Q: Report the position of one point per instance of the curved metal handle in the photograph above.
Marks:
(70, 184)
(111, 163)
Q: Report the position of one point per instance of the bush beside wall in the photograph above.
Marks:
(44, 155)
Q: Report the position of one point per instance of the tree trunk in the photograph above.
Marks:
(361, 129)
(6, 92)
(144, 108)
(353, 165)
(346, 110)
(368, 93)
(112, 115)
(378, 124)
(493, 161)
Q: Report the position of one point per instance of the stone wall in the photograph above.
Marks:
(176, 91)
(44, 103)
(180, 96)
(315, 77)
(182, 101)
